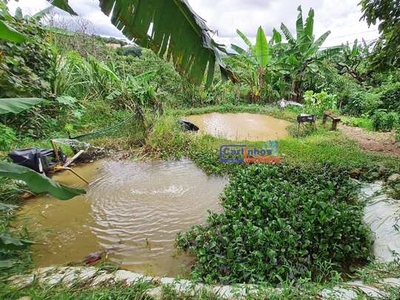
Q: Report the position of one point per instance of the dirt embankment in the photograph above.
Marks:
(381, 142)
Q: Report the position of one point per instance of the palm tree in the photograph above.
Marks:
(170, 28)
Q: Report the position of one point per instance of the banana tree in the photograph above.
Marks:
(170, 28)
(303, 51)
(255, 64)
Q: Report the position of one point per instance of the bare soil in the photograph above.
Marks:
(378, 142)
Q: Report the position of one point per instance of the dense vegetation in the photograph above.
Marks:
(293, 223)
(279, 224)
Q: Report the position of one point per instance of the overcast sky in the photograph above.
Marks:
(225, 16)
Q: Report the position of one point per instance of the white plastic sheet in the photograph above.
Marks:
(382, 214)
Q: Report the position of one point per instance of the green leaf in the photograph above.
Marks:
(6, 264)
(7, 242)
(245, 40)
(66, 100)
(173, 30)
(299, 23)
(10, 34)
(17, 105)
(38, 182)
(261, 49)
(309, 27)
(322, 39)
(276, 36)
(238, 49)
(287, 34)
(63, 4)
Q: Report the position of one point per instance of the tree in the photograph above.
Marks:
(170, 28)
(254, 65)
(387, 14)
(303, 51)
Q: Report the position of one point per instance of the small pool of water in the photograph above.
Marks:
(241, 126)
(133, 209)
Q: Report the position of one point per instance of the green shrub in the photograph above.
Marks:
(361, 102)
(7, 137)
(390, 97)
(318, 103)
(384, 121)
(362, 122)
(281, 223)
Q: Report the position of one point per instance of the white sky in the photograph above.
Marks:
(225, 16)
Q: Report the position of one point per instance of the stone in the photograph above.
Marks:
(338, 293)
(22, 281)
(393, 177)
(156, 293)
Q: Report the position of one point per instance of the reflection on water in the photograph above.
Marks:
(134, 209)
(241, 126)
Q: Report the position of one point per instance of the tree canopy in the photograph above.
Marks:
(385, 13)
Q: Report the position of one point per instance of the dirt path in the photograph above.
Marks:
(381, 142)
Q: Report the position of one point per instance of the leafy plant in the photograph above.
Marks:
(7, 137)
(38, 182)
(319, 103)
(17, 105)
(151, 27)
(384, 121)
(280, 223)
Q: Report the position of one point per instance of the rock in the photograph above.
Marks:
(22, 281)
(156, 293)
(393, 177)
(338, 293)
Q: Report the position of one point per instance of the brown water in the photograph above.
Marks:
(241, 126)
(135, 209)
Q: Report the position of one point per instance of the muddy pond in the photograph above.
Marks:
(241, 126)
(133, 209)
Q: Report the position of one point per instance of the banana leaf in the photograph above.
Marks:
(171, 29)
(10, 34)
(38, 182)
(17, 105)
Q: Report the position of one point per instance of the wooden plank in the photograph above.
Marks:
(70, 161)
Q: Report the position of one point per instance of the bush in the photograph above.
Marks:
(390, 97)
(384, 121)
(361, 102)
(362, 122)
(281, 223)
(318, 103)
(7, 137)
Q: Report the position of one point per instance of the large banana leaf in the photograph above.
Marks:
(261, 49)
(38, 182)
(10, 34)
(63, 4)
(17, 105)
(170, 28)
